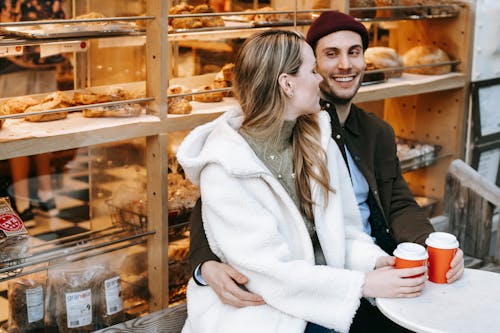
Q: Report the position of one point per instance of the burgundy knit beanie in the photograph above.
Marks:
(333, 21)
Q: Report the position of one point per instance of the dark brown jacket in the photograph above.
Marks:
(395, 216)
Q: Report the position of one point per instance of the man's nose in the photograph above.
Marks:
(344, 61)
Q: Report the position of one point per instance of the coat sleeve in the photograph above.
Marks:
(407, 220)
(240, 217)
(199, 250)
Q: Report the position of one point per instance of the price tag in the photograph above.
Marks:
(7, 51)
(47, 50)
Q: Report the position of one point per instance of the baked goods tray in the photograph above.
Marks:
(415, 154)
(410, 12)
(47, 31)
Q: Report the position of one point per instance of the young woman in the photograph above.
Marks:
(278, 204)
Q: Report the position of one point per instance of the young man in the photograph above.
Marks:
(389, 212)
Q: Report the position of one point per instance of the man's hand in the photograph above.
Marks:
(224, 281)
(456, 267)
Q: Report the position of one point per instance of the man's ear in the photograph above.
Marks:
(285, 84)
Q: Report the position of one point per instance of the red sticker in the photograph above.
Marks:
(10, 223)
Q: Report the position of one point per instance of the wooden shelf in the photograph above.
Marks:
(410, 84)
(73, 132)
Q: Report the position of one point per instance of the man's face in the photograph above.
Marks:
(340, 61)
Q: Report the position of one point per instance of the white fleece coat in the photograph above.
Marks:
(252, 224)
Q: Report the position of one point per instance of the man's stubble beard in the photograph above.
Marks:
(328, 93)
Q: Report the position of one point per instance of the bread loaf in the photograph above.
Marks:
(426, 55)
(384, 57)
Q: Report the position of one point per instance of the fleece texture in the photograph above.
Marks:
(252, 224)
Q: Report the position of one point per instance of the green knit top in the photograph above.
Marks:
(277, 156)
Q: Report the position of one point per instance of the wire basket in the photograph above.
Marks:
(418, 154)
(11, 263)
(133, 221)
(126, 219)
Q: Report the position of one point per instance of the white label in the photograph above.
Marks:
(7, 51)
(112, 290)
(47, 50)
(34, 304)
(79, 308)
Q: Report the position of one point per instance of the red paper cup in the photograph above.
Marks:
(410, 255)
(441, 247)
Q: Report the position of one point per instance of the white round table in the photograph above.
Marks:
(471, 304)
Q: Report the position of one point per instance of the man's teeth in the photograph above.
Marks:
(344, 79)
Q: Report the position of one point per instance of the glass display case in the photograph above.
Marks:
(130, 79)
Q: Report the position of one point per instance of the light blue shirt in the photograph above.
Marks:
(361, 189)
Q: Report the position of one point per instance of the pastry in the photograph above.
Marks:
(84, 98)
(55, 100)
(227, 71)
(178, 105)
(209, 97)
(17, 104)
(426, 55)
(384, 57)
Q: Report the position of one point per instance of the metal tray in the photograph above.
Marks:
(47, 31)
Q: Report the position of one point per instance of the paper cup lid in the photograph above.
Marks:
(411, 251)
(442, 240)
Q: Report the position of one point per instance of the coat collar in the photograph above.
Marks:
(219, 142)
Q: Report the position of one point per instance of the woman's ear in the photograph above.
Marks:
(285, 84)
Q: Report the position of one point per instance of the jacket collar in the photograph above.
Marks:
(352, 123)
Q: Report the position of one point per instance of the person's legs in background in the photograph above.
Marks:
(45, 205)
(26, 204)
(19, 170)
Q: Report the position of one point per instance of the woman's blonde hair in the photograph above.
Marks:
(259, 63)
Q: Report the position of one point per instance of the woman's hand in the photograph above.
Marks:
(385, 261)
(390, 282)
(227, 282)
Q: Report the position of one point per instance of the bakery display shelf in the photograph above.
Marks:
(74, 28)
(407, 167)
(19, 41)
(22, 138)
(215, 34)
(403, 68)
(105, 107)
(70, 249)
(415, 154)
(399, 13)
(410, 84)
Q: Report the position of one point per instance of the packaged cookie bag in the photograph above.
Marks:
(26, 302)
(14, 239)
